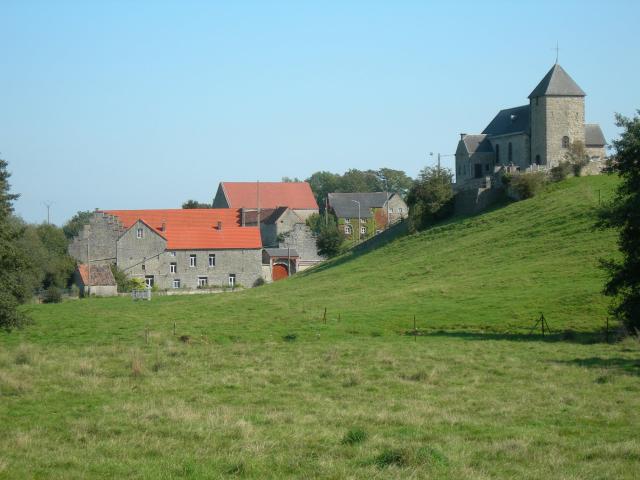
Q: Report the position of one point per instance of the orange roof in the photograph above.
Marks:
(100, 275)
(296, 195)
(195, 229)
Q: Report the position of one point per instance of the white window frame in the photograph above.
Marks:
(140, 233)
(347, 229)
(176, 283)
(173, 254)
(173, 266)
(203, 281)
(400, 210)
(363, 230)
(212, 260)
(347, 220)
(390, 209)
(232, 280)
(149, 280)
(192, 260)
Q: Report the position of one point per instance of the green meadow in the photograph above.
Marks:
(263, 384)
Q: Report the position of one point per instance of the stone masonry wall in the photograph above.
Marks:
(551, 119)
(150, 252)
(101, 234)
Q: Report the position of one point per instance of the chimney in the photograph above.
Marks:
(219, 227)
(164, 226)
(462, 135)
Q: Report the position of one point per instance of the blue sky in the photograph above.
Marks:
(122, 104)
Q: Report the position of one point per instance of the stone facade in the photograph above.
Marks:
(141, 252)
(552, 119)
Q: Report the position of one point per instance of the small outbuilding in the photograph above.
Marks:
(96, 280)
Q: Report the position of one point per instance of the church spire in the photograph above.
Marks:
(557, 83)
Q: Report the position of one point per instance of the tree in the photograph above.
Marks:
(430, 199)
(322, 184)
(577, 157)
(623, 214)
(395, 181)
(73, 227)
(191, 204)
(290, 180)
(13, 264)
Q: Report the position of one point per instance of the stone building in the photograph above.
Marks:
(173, 249)
(363, 215)
(95, 280)
(533, 136)
(260, 195)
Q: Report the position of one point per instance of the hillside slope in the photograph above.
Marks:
(493, 272)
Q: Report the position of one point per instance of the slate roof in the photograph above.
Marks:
(344, 206)
(295, 195)
(195, 229)
(593, 136)
(477, 143)
(557, 82)
(281, 252)
(100, 275)
(509, 120)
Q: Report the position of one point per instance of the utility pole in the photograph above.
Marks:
(258, 204)
(48, 205)
(359, 220)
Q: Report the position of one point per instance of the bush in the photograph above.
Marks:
(561, 172)
(52, 295)
(527, 185)
(259, 282)
(430, 198)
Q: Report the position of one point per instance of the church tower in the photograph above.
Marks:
(557, 117)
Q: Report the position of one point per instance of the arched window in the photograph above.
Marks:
(537, 159)
(510, 153)
(565, 142)
(497, 154)
(347, 229)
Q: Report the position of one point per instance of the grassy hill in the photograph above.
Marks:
(264, 387)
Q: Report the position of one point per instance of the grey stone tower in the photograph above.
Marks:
(557, 116)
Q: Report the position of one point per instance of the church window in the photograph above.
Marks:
(510, 152)
(486, 167)
(537, 159)
(565, 142)
(498, 154)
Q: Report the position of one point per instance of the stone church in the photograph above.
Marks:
(535, 136)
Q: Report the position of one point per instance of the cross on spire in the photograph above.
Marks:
(557, 49)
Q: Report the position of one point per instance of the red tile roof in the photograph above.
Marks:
(195, 229)
(100, 275)
(295, 195)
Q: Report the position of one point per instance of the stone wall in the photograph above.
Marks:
(520, 149)
(553, 118)
(101, 234)
(149, 251)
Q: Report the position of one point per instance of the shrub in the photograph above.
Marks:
(52, 295)
(527, 185)
(353, 436)
(560, 172)
(290, 337)
(431, 198)
(259, 282)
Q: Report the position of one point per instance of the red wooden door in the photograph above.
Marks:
(279, 272)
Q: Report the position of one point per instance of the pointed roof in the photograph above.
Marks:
(557, 83)
(195, 229)
(296, 195)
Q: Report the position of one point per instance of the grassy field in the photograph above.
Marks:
(260, 386)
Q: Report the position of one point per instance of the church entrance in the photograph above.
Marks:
(477, 170)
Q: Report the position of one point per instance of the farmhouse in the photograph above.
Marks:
(173, 249)
(280, 209)
(535, 136)
(362, 215)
